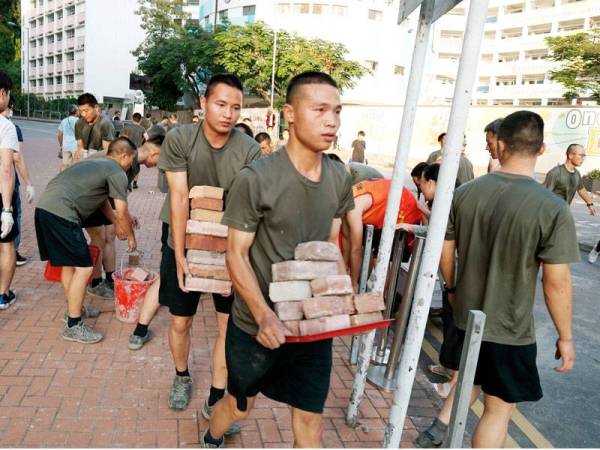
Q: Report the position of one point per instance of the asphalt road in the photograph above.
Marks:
(569, 413)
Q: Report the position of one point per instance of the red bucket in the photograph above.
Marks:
(53, 273)
(129, 295)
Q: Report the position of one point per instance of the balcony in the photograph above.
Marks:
(69, 21)
(49, 28)
(70, 43)
(50, 48)
(69, 66)
(79, 87)
(80, 65)
(81, 18)
(59, 3)
(69, 86)
(81, 42)
(58, 68)
(59, 24)
(49, 69)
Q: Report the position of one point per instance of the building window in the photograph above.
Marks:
(249, 10)
(375, 15)
(283, 8)
(223, 15)
(558, 102)
(372, 65)
(59, 15)
(70, 34)
(70, 11)
(59, 37)
(399, 70)
(339, 10)
(530, 102)
(70, 78)
(58, 59)
(301, 8)
(70, 56)
(58, 80)
(50, 81)
(319, 9)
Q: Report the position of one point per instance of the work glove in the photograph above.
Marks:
(7, 223)
(30, 193)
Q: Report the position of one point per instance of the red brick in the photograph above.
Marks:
(188, 432)
(268, 430)
(206, 285)
(212, 272)
(369, 302)
(137, 274)
(324, 324)
(207, 192)
(208, 243)
(317, 251)
(363, 319)
(207, 228)
(204, 257)
(284, 291)
(303, 270)
(289, 310)
(206, 215)
(293, 327)
(211, 204)
(316, 307)
(331, 285)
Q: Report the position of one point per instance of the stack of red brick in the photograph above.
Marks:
(206, 242)
(310, 296)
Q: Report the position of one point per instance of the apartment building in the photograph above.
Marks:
(367, 28)
(514, 68)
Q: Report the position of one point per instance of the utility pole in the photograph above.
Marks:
(273, 69)
(216, 12)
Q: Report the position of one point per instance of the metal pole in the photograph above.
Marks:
(216, 12)
(362, 285)
(273, 69)
(466, 376)
(438, 221)
(28, 68)
(393, 205)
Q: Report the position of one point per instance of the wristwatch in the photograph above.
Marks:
(7, 210)
(449, 290)
(589, 204)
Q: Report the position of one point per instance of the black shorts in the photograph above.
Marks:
(97, 219)
(294, 374)
(452, 345)
(61, 241)
(180, 303)
(14, 232)
(508, 371)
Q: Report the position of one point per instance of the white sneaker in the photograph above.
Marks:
(593, 256)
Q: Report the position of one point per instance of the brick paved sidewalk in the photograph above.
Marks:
(55, 393)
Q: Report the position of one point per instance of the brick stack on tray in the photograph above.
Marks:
(206, 242)
(310, 296)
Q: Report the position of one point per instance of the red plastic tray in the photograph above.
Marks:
(343, 332)
(53, 273)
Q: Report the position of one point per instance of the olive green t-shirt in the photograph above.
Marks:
(92, 135)
(504, 225)
(564, 183)
(465, 171)
(80, 190)
(283, 208)
(135, 132)
(361, 172)
(186, 149)
(133, 171)
(434, 156)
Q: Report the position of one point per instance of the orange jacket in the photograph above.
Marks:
(379, 191)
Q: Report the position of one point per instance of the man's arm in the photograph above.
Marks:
(21, 167)
(179, 214)
(60, 137)
(334, 236)
(79, 153)
(123, 222)
(355, 224)
(558, 293)
(8, 176)
(105, 144)
(448, 265)
(271, 331)
(587, 198)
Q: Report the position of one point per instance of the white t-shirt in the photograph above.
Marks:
(8, 134)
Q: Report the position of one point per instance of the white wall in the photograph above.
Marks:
(112, 31)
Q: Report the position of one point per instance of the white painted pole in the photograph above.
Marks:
(393, 205)
(439, 219)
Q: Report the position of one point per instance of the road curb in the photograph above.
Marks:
(36, 119)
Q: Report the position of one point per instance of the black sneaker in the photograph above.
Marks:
(7, 299)
(21, 260)
(135, 186)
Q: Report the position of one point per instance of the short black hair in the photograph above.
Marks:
(156, 135)
(334, 157)
(262, 136)
(361, 133)
(165, 117)
(310, 77)
(522, 132)
(223, 78)
(418, 170)
(441, 136)
(493, 127)
(121, 145)
(5, 82)
(245, 129)
(148, 115)
(431, 172)
(570, 149)
(136, 117)
(87, 99)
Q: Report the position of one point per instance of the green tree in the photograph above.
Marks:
(247, 51)
(161, 19)
(580, 57)
(10, 40)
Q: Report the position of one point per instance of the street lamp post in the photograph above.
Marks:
(273, 69)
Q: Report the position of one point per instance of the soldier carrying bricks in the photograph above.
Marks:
(211, 154)
(295, 195)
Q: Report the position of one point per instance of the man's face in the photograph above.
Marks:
(315, 115)
(4, 99)
(577, 157)
(417, 181)
(265, 147)
(125, 161)
(222, 108)
(152, 160)
(88, 113)
(428, 188)
(443, 142)
(492, 144)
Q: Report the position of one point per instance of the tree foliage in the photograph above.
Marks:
(180, 59)
(10, 40)
(580, 57)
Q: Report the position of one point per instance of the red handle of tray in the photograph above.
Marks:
(337, 333)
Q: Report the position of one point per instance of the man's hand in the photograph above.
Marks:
(406, 227)
(565, 350)
(78, 155)
(7, 223)
(132, 244)
(121, 231)
(182, 271)
(271, 331)
(30, 193)
(592, 210)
